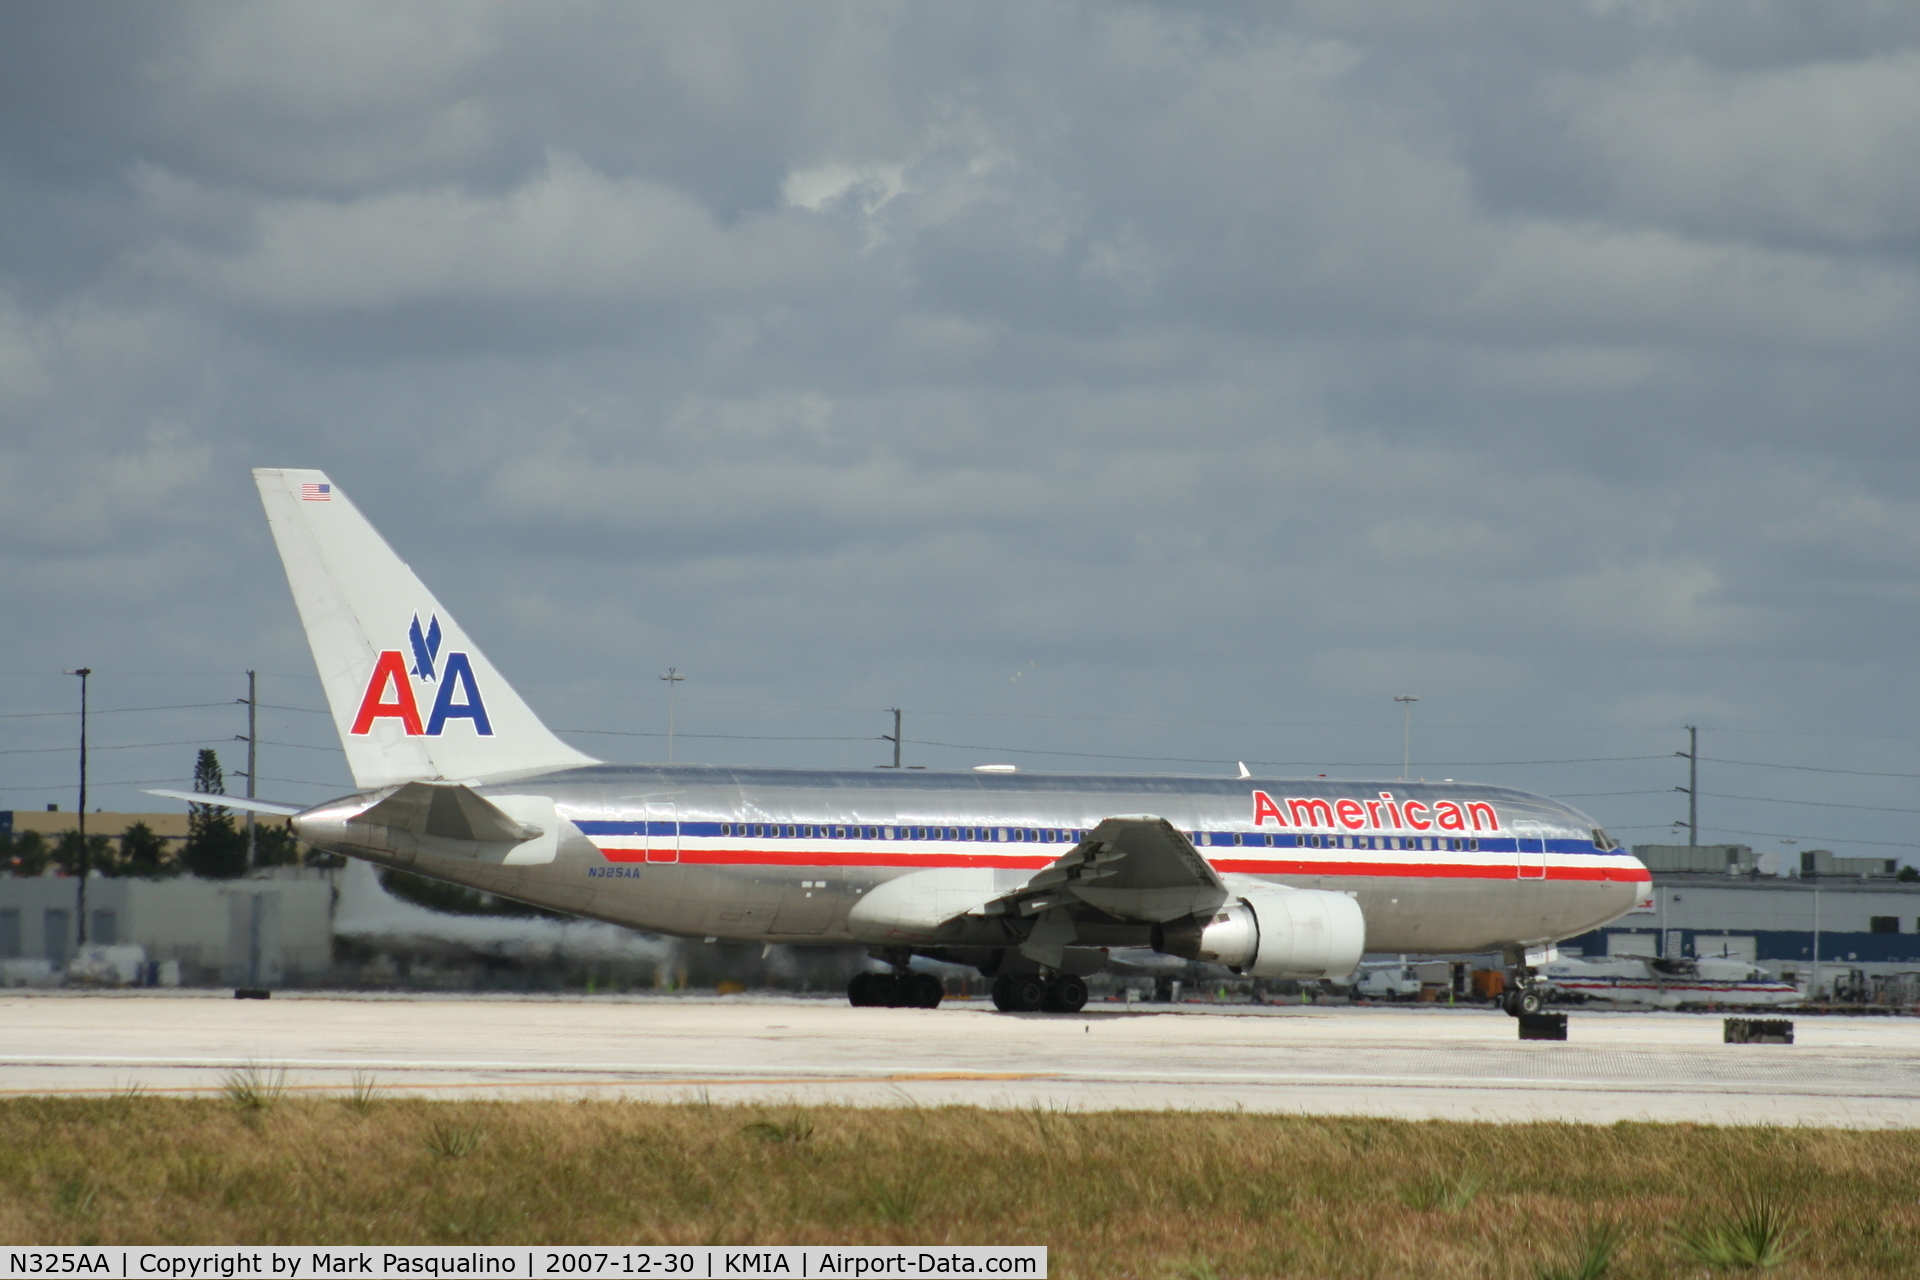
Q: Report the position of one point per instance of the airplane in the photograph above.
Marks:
(1029, 877)
(1646, 982)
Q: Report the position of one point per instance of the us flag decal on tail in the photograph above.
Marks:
(316, 493)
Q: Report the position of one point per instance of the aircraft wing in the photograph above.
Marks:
(1134, 867)
(1130, 868)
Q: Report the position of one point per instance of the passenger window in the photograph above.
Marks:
(1473, 846)
(1001, 833)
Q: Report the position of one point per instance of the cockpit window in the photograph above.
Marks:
(1604, 842)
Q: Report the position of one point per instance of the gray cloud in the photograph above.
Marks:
(1122, 380)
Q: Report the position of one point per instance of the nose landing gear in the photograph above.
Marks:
(1526, 998)
(895, 991)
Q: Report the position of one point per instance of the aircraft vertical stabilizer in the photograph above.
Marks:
(413, 698)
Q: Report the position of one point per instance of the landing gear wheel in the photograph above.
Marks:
(1510, 1003)
(923, 991)
(876, 991)
(1019, 993)
(1529, 1001)
(1066, 995)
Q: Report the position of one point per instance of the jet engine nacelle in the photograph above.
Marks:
(1274, 933)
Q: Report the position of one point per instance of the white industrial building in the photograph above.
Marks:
(269, 928)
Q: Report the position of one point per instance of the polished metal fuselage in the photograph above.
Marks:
(774, 855)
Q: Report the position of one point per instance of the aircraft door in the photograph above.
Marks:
(663, 831)
(1532, 858)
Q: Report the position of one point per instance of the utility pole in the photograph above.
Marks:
(1813, 992)
(1406, 701)
(673, 678)
(894, 738)
(253, 746)
(81, 906)
(1692, 753)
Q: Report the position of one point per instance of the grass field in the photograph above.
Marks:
(1154, 1195)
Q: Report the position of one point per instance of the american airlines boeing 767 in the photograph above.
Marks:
(1030, 877)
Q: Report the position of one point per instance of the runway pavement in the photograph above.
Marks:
(1405, 1062)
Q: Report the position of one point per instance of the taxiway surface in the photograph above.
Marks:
(1404, 1062)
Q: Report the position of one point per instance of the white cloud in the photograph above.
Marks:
(1631, 285)
(870, 185)
(568, 235)
(1826, 152)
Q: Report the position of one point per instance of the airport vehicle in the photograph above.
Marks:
(1387, 980)
(1028, 876)
(1679, 983)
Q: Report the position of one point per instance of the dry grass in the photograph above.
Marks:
(1152, 1195)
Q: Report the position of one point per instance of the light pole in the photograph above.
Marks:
(81, 905)
(673, 677)
(1406, 701)
(253, 745)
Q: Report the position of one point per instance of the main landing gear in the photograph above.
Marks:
(895, 991)
(1031, 993)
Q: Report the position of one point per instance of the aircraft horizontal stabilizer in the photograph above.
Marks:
(440, 820)
(230, 802)
(448, 813)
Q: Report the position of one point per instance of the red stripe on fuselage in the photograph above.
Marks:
(1249, 866)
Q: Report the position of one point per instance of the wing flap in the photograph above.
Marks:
(1132, 866)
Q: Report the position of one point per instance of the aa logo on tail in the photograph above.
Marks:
(390, 692)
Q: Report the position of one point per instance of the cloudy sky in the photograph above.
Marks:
(1110, 386)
